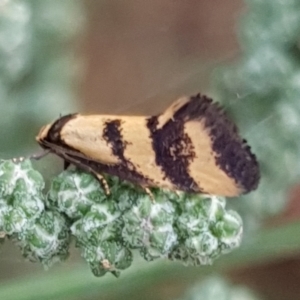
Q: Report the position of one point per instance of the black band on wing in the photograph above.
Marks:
(173, 152)
(233, 155)
(112, 133)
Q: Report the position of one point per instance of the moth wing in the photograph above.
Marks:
(168, 114)
(223, 162)
(204, 168)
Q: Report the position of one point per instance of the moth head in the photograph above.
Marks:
(42, 136)
(43, 133)
(50, 134)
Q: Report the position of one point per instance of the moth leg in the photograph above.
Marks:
(88, 169)
(99, 177)
(149, 193)
(102, 181)
(178, 193)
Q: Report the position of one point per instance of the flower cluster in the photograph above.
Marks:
(194, 229)
(41, 233)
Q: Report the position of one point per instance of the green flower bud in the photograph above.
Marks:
(15, 221)
(206, 230)
(101, 218)
(20, 178)
(74, 192)
(21, 193)
(107, 256)
(47, 241)
(149, 227)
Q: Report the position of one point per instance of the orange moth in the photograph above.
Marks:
(192, 147)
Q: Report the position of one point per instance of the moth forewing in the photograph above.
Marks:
(168, 114)
(204, 168)
(85, 135)
(191, 147)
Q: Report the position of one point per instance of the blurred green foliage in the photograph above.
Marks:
(262, 91)
(213, 288)
(38, 67)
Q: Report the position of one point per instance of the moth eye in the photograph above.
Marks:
(53, 136)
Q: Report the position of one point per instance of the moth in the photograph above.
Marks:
(192, 147)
